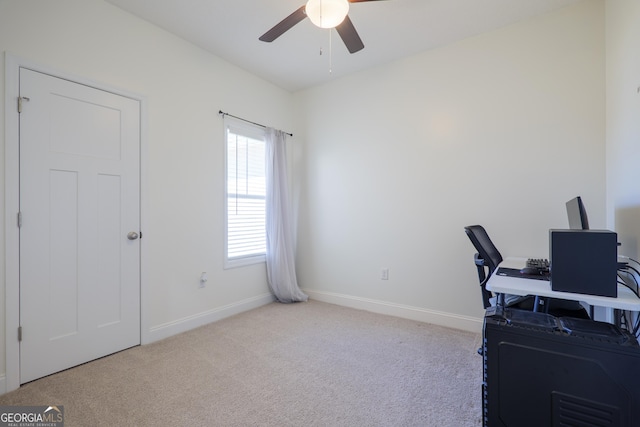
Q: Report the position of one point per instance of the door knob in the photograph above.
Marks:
(132, 235)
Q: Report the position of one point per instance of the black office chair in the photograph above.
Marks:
(487, 260)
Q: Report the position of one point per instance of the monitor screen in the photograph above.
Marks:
(577, 214)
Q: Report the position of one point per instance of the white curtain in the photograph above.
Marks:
(281, 271)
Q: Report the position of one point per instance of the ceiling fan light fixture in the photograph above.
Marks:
(327, 13)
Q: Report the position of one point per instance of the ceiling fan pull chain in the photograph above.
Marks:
(330, 54)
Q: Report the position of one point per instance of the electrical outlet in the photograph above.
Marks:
(384, 274)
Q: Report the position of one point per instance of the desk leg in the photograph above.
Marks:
(541, 301)
(617, 317)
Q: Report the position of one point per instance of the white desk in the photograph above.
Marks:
(626, 299)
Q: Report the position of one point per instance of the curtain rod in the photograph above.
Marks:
(222, 113)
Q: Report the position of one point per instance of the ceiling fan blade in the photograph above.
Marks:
(284, 25)
(349, 35)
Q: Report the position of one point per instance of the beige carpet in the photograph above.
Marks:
(304, 364)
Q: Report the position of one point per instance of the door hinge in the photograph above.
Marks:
(19, 219)
(19, 333)
(21, 99)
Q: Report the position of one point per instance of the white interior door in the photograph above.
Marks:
(79, 199)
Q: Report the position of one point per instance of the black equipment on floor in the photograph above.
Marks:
(541, 370)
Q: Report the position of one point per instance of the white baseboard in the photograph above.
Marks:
(166, 330)
(450, 320)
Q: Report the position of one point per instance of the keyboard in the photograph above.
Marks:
(539, 263)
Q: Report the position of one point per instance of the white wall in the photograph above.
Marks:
(499, 129)
(623, 122)
(184, 88)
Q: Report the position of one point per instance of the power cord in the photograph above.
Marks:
(629, 276)
(629, 281)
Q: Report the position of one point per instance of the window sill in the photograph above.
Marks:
(243, 262)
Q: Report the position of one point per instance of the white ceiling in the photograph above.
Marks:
(390, 30)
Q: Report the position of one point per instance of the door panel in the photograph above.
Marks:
(63, 265)
(79, 197)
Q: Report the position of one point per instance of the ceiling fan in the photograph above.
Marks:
(324, 14)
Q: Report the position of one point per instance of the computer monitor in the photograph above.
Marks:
(577, 214)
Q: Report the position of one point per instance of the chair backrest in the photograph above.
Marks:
(488, 256)
(485, 247)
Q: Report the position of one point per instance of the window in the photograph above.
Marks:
(245, 241)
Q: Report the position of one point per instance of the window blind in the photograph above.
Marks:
(246, 190)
